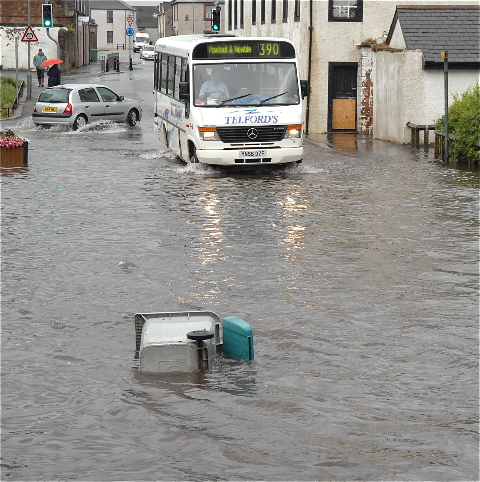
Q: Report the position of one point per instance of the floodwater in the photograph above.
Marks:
(357, 270)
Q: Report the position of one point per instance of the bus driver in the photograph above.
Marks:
(214, 86)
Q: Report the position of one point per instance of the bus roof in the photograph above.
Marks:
(184, 44)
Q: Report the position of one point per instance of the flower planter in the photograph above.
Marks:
(14, 156)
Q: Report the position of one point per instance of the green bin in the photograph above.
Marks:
(93, 55)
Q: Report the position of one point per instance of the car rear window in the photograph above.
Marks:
(55, 95)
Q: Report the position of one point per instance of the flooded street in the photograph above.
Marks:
(357, 270)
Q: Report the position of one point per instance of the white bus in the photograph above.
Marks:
(229, 101)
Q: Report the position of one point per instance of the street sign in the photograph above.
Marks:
(29, 35)
(130, 21)
(130, 31)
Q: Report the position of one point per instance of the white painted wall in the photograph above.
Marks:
(7, 46)
(119, 27)
(407, 93)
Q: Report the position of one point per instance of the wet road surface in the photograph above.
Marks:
(357, 270)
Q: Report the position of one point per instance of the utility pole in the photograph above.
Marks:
(445, 83)
(29, 73)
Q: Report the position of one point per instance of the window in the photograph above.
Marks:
(163, 74)
(207, 11)
(262, 11)
(297, 11)
(107, 95)
(242, 24)
(171, 74)
(254, 12)
(109, 16)
(285, 11)
(345, 11)
(109, 36)
(235, 14)
(88, 95)
(229, 14)
(274, 11)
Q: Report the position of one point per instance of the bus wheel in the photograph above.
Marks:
(193, 155)
(165, 137)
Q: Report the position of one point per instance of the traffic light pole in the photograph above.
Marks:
(29, 73)
(56, 42)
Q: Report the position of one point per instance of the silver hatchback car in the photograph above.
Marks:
(76, 105)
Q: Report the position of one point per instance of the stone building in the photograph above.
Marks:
(70, 29)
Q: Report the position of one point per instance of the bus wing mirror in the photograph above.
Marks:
(304, 88)
(184, 88)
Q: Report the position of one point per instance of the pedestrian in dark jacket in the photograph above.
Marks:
(53, 75)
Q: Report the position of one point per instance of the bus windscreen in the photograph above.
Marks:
(244, 49)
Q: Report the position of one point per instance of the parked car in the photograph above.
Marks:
(76, 105)
(147, 52)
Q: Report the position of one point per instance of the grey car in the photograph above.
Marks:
(76, 105)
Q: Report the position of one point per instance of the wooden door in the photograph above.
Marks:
(343, 96)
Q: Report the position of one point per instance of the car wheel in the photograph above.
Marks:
(193, 155)
(132, 118)
(80, 121)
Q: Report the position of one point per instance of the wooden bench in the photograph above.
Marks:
(415, 132)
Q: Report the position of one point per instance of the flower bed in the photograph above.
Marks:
(13, 149)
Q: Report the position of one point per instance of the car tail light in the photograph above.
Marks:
(35, 108)
(68, 109)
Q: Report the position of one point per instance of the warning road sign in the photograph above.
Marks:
(130, 21)
(29, 35)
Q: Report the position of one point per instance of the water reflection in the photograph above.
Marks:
(13, 171)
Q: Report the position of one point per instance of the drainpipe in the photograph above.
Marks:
(310, 29)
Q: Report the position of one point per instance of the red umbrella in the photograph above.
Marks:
(48, 62)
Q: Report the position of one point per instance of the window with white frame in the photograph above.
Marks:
(109, 36)
(345, 10)
(109, 16)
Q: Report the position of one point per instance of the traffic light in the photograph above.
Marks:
(47, 15)
(216, 20)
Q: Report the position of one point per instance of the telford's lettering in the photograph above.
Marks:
(251, 119)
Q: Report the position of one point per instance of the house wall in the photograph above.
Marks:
(388, 115)
(332, 42)
(119, 26)
(183, 18)
(407, 93)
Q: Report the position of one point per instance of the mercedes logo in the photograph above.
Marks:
(252, 133)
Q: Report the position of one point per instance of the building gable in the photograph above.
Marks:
(435, 28)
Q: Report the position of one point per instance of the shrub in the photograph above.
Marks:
(464, 125)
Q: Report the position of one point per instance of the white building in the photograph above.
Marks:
(333, 39)
(112, 19)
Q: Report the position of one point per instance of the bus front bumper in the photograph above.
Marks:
(256, 156)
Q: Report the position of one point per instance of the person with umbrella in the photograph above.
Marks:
(37, 61)
(53, 73)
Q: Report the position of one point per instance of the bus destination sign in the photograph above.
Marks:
(247, 49)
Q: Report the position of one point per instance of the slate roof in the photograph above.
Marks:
(433, 28)
(145, 18)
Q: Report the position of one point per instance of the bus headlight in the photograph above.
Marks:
(293, 130)
(208, 133)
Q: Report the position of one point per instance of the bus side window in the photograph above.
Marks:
(163, 74)
(171, 74)
(178, 73)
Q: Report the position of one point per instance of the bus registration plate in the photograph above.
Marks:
(253, 153)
